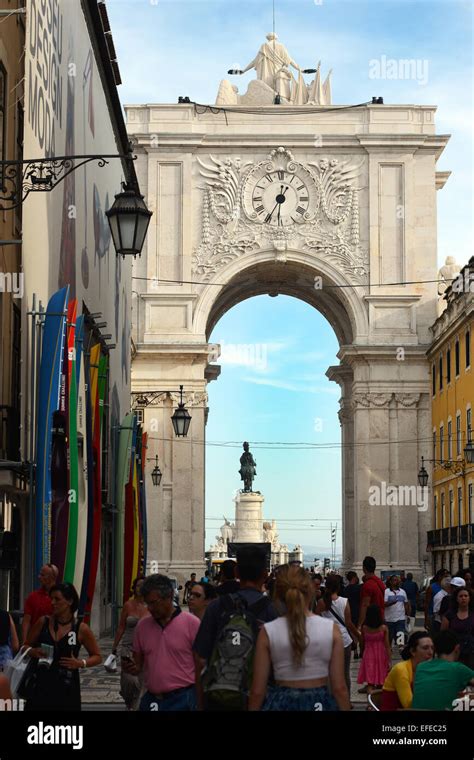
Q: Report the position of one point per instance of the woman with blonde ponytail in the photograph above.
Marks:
(305, 651)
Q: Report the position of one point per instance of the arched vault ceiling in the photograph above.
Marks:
(290, 279)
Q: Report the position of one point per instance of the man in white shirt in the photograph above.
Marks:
(437, 599)
(397, 608)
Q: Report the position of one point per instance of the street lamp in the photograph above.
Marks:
(156, 474)
(469, 451)
(128, 219)
(181, 418)
(423, 475)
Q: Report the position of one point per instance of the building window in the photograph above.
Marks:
(3, 113)
(470, 503)
(448, 365)
(450, 440)
(468, 424)
(433, 373)
(459, 505)
(434, 445)
(458, 434)
(16, 358)
(451, 507)
(468, 348)
(456, 357)
(442, 510)
(441, 442)
(19, 157)
(441, 373)
(435, 512)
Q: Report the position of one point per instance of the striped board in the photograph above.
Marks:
(136, 515)
(61, 456)
(72, 513)
(97, 480)
(82, 497)
(122, 474)
(90, 483)
(48, 402)
(142, 504)
(129, 536)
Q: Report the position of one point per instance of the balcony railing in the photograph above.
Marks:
(458, 534)
(434, 537)
(464, 532)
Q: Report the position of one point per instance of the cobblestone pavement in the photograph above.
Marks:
(101, 688)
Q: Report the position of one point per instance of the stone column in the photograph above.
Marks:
(371, 464)
(343, 376)
(249, 518)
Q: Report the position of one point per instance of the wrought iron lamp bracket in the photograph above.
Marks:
(20, 178)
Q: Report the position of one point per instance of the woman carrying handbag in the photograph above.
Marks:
(53, 682)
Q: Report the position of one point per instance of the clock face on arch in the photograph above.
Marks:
(280, 198)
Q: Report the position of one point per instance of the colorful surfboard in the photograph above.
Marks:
(123, 475)
(83, 600)
(82, 458)
(97, 480)
(144, 530)
(129, 536)
(48, 402)
(71, 546)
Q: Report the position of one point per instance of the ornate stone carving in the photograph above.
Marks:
(327, 221)
(371, 400)
(193, 398)
(407, 400)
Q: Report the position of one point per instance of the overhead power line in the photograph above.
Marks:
(295, 447)
(324, 287)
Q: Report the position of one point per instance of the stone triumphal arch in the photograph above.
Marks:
(335, 206)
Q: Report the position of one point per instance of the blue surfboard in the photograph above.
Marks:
(54, 336)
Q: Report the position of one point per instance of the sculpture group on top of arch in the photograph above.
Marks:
(275, 82)
(280, 203)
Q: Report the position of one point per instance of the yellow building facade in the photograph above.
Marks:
(451, 357)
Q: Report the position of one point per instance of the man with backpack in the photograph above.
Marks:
(225, 643)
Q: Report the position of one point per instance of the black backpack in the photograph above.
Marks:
(228, 677)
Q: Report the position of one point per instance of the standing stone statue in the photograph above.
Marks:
(227, 531)
(271, 64)
(247, 469)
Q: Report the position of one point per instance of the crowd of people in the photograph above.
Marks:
(256, 641)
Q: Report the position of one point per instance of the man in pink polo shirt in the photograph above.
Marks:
(163, 649)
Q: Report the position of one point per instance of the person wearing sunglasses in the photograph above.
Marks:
(199, 597)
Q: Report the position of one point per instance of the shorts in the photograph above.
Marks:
(286, 699)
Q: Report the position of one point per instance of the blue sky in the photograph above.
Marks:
(168, 48)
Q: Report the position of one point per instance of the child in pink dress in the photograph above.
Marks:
(375, 648)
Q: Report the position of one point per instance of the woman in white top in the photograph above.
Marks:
(304, 650)
(336, 608)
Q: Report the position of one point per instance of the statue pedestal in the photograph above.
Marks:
(248, 518)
